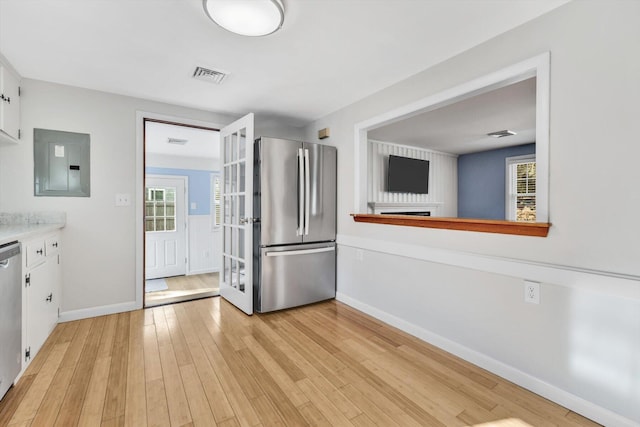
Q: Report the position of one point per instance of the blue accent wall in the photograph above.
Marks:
(199, 187)
(481, 181)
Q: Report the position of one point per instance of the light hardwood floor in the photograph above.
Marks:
(205, 363)
(183, 288)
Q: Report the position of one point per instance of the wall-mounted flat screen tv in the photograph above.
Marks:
(406, 175)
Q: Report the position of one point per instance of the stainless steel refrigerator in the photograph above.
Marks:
(294, 253)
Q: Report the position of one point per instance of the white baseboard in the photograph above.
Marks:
(203, 271)
(84, 313)
(542, 388)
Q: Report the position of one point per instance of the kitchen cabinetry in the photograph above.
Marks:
(9, 105)
(42, 288)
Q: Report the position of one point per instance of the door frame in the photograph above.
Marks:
(185, 201)
(141, 118)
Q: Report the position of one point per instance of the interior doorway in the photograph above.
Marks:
(182, 241)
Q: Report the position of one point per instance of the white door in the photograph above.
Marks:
(236, 150)
(165, 226)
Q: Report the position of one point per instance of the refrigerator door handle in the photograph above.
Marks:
(307, 191)
(300, 230)
(300, 252)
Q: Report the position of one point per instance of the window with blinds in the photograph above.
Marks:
(216, 210)
(521, 194)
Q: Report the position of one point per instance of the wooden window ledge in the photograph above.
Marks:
(537, 229)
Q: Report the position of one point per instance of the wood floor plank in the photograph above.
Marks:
(77, 343)
(233, 390)
(82, 374)
(275, 371)
(91, 414)
(313, 416)
(213, 389)
(33, 398)
(50, 407)
(12, 399)
(269, 416)
(206, 363)
(449, 398)
(152, 365)
(135, 411)
(278, 398)
(115, 398)
(226, 349)
(176, 397)
(197, 398)
(180, 349)
(108, 335)
(36, 364)
(431, 413)
(326, 407)
(157, 407)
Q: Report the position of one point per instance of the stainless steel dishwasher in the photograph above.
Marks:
(10, 315)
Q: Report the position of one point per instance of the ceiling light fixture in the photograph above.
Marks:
(501, 133)
(246, 17)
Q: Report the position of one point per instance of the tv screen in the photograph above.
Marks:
(407, 175)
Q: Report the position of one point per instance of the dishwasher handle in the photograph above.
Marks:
(8, 251)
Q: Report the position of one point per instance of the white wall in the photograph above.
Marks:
(205, 245)
(582, 344)
(182, 162)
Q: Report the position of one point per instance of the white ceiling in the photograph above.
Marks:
(329, 53)
(201, 143)
(462, 127)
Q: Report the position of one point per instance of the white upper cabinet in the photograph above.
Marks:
(9, 105)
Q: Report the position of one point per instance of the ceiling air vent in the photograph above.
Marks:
(177, 141)
(211, 76)
(501, 133)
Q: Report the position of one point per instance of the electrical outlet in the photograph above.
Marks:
(531, 292)
(123, 199)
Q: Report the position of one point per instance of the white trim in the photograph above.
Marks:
(139, 201)
(85, 313)
(509, 211)
(538, 66)
(606, 282)
(536, 385)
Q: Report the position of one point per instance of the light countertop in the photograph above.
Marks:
(12, 232)
(24, 225)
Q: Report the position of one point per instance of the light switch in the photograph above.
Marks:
(123, 199)
(194, 206)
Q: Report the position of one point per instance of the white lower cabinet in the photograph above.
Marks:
(41, 292)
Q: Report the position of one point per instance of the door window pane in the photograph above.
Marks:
(159, 209)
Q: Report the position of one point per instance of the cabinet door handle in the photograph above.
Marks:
(39, 252)
(50, 297)
(55, 245)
